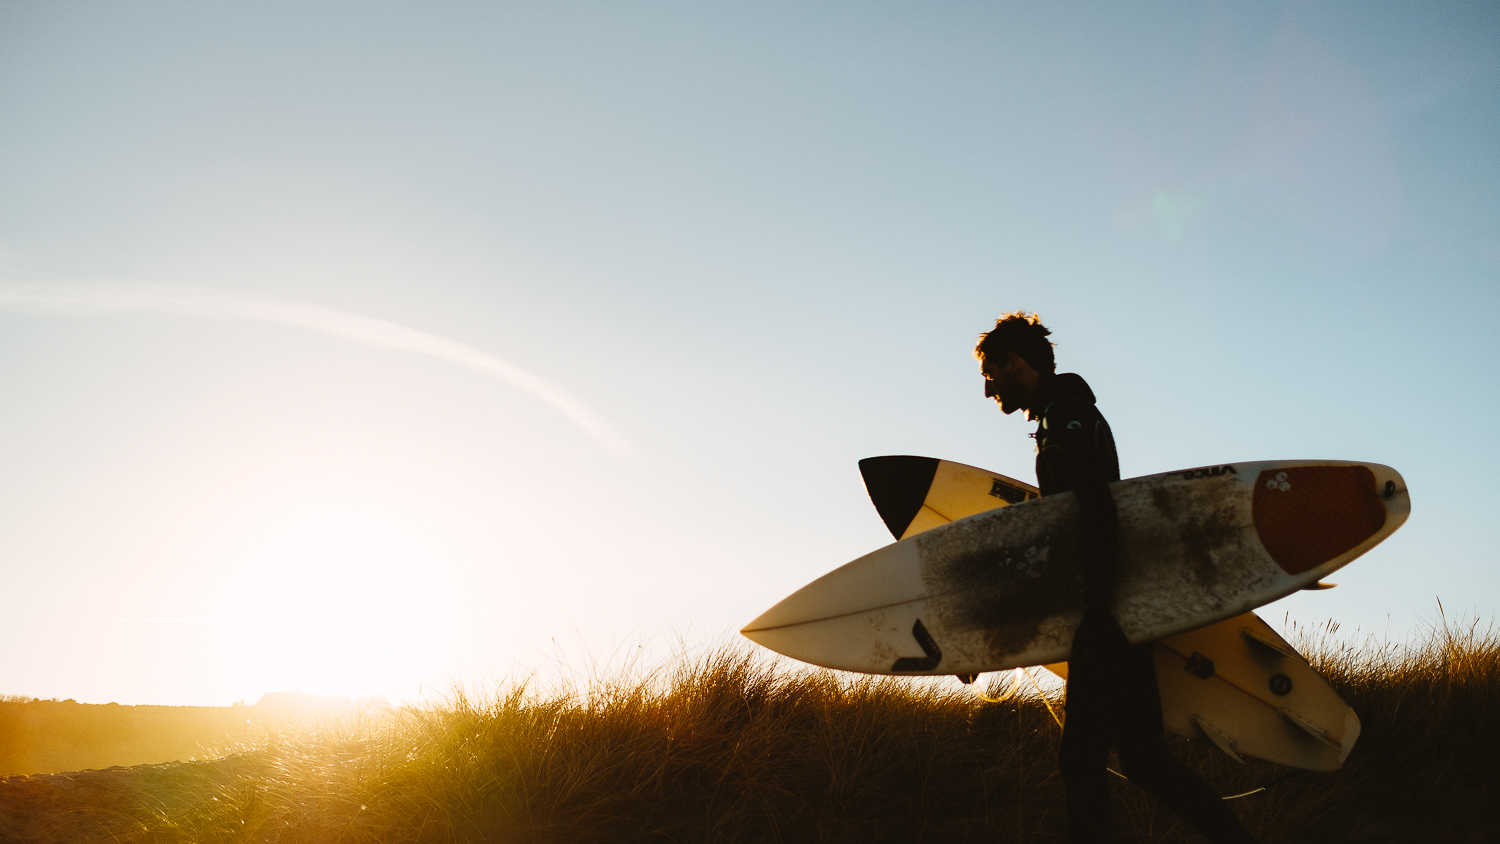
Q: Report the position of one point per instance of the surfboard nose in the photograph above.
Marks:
(1309, 516)
(888, 576)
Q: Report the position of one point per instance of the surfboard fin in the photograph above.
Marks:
(1310, 728)
(1265, 642)
(1220, 739)
(1319, 586)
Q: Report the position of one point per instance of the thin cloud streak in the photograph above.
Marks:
(203, 303)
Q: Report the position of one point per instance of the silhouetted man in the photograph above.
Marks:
(1112, 696)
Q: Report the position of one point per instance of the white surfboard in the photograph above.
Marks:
(1235, 684)
(999, 590)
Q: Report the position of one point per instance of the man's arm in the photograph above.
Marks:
(1077, 450)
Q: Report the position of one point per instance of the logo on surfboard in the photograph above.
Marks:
(1208, 472)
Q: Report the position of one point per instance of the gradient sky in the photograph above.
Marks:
(362, 347)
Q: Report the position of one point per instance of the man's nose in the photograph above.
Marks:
(989, 389)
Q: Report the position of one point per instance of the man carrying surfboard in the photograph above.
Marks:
(1112, 696)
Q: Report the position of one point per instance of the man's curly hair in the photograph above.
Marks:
(1022, 333)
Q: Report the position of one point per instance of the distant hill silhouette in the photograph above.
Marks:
(51, 736)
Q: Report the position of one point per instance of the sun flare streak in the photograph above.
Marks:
(203, 303)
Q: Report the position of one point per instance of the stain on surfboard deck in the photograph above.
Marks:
(1010, 594)
(1200, 522)
(883, 653)
(1196, 518)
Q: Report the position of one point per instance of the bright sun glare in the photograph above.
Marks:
(341, 606)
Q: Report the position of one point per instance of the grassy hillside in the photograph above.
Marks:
(43, 736)
(46, 736)
(734, 748)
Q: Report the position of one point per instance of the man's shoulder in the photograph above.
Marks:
(1070, 385)
(1068, 395)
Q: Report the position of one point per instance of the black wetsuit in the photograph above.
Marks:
(1112, 694)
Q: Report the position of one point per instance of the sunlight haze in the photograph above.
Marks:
(364, 349)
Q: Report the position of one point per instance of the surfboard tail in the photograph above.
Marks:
(897, 485)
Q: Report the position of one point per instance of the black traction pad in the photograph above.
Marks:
(898, 485)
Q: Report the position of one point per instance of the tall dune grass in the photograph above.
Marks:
(734, 747)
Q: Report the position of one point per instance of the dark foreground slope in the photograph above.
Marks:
(734, 749)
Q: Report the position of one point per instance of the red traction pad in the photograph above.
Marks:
(1308, 515)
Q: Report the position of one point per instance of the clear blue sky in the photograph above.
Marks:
(347, 346)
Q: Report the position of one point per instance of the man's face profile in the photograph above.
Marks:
(1008, 380)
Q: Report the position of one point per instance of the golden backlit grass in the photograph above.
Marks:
(734, 747)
